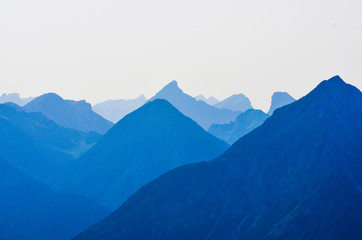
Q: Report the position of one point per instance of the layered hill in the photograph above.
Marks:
(143, 145)
(115, 110)
(279, 99)
(297, 176)
(68, 113)
(236, 103)
(202, 113)
(35, 160)
(46, 132)
(30, 210)
(243, 124)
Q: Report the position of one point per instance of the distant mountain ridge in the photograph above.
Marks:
(115, 110)
(236, 103)
(279, 99)
(297, 176)
(46, 132)
(210, 100)
(144, 144)
(68, 113)
(14, 98)
(202, 113)
(243, 124)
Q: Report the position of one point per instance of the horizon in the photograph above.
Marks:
(119, 50)
(265, 109)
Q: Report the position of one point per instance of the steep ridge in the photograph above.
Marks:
(297, 176)
(244, 123)
(279, 99)
(143, 145)
(67, 113)
(199, 111)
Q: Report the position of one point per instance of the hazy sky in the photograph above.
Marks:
(105, 49)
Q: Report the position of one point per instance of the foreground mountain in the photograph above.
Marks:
(14, 98)
(237, 102)
(279, 99)
(115, 110)
(298, 176)
(210, 100)
(46, 132)
(143, 145)
(30, 210)
(36, 160)
(202, 113)
(244, 123)
(67, 113)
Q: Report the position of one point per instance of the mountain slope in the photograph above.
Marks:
(35, 160)
(202, 113)
(115, 110)
(46, 132)
(14, 98)
(29, 210)
(68, 113)
(143, 145)
(298, 176)
(237, 102)
(279, 99)
(243, 124)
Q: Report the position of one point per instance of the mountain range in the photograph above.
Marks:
(115, 110)
(68, 113)
(202, 113)
(297, 176)
(210, 100)
(143, 145)
(44, 131)
(236, 103)
(243, 124)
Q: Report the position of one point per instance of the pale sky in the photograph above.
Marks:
(106, 49)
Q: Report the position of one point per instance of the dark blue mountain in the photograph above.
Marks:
(244, 123)
(67, 113)
(199, 111)
(30, 210)
(143, 145)
(279, 99)
(46, 132)
(297, 176)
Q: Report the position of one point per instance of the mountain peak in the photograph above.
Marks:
(279, 99)
(334, 89)
(50, 97)
(334, 82)
(172, 86)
